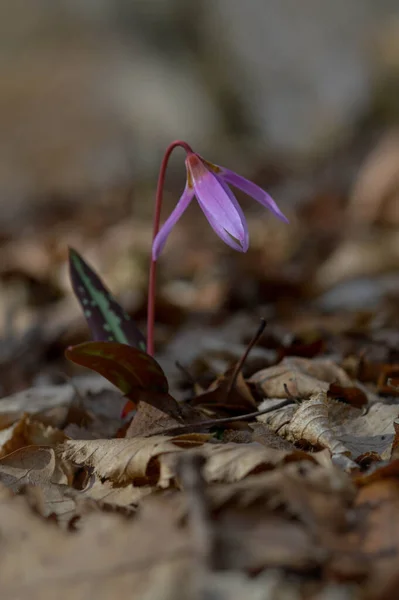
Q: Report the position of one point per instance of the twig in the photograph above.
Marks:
(193, 427)
(185, 372)
(244, 357)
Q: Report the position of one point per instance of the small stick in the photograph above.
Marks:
(244, 357)
(185, 372)
(193, 427)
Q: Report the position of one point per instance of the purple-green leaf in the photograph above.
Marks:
(135, 373)
(106, 319)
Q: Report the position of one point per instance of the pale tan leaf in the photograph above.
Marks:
(302, 377)
(232, 462)
(31, 465)
(372, 432)
(104, 493)
(53, 500)
(339, 427)
(310, 423)
(109, 557)
(134, 460)
(319, 491)
(29, 432)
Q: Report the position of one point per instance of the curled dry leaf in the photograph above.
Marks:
(310, 423)
(108, 558)
(372, 432)
(106, 495)
(220, 400)
(53, 500)
(28, 432)
(376, 534)
(233, 462)
(152, 461)
(134, 460)
(302, 377)
(30, 465)
(342, 429)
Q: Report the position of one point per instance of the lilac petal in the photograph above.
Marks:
(220, 209)
(253, 190)
(167, 227)
(233, 199)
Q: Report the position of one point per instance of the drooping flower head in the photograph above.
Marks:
(210, 184)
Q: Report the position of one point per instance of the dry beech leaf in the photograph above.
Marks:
(302, 377)
(153, 460)
(134, 460)
(105, 494)
(29, 432)
(31, 465)
(248, 542)
(218, 400)
(65, 503)
(108, 558)
(329, 488)
(376, 534)
(343, 429)
(232, 462)
(310, 423)
(372, 432)
(53, 500)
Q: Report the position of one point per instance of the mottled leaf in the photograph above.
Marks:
(135, 373)
(105, 317)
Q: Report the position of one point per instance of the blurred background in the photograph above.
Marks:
(301, 97)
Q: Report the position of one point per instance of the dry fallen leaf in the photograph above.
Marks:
(109, 555)
(28, 432)
(135, 460)
(31, 465)
(309, 423)
(301, 377)
(152, 461)
(344, 430)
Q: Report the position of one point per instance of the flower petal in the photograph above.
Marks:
(166, 228)
(218, 205)
(245, 242)
(253, 190)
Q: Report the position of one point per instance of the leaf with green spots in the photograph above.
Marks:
(135, 373)
(105, 317)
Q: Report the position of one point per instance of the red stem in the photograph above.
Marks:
(153, 265)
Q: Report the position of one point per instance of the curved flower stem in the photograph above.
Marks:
(153, 264)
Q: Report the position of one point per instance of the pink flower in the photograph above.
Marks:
(210, 184)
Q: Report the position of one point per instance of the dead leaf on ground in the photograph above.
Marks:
(152, 461)
(218, 400)
(376, 534)
(309, 423)
(105, 494)
(135, 460)
(342, 429)
(53, 501)
(110, 555)
(30, 466)
(28, 432)
(302, 377)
